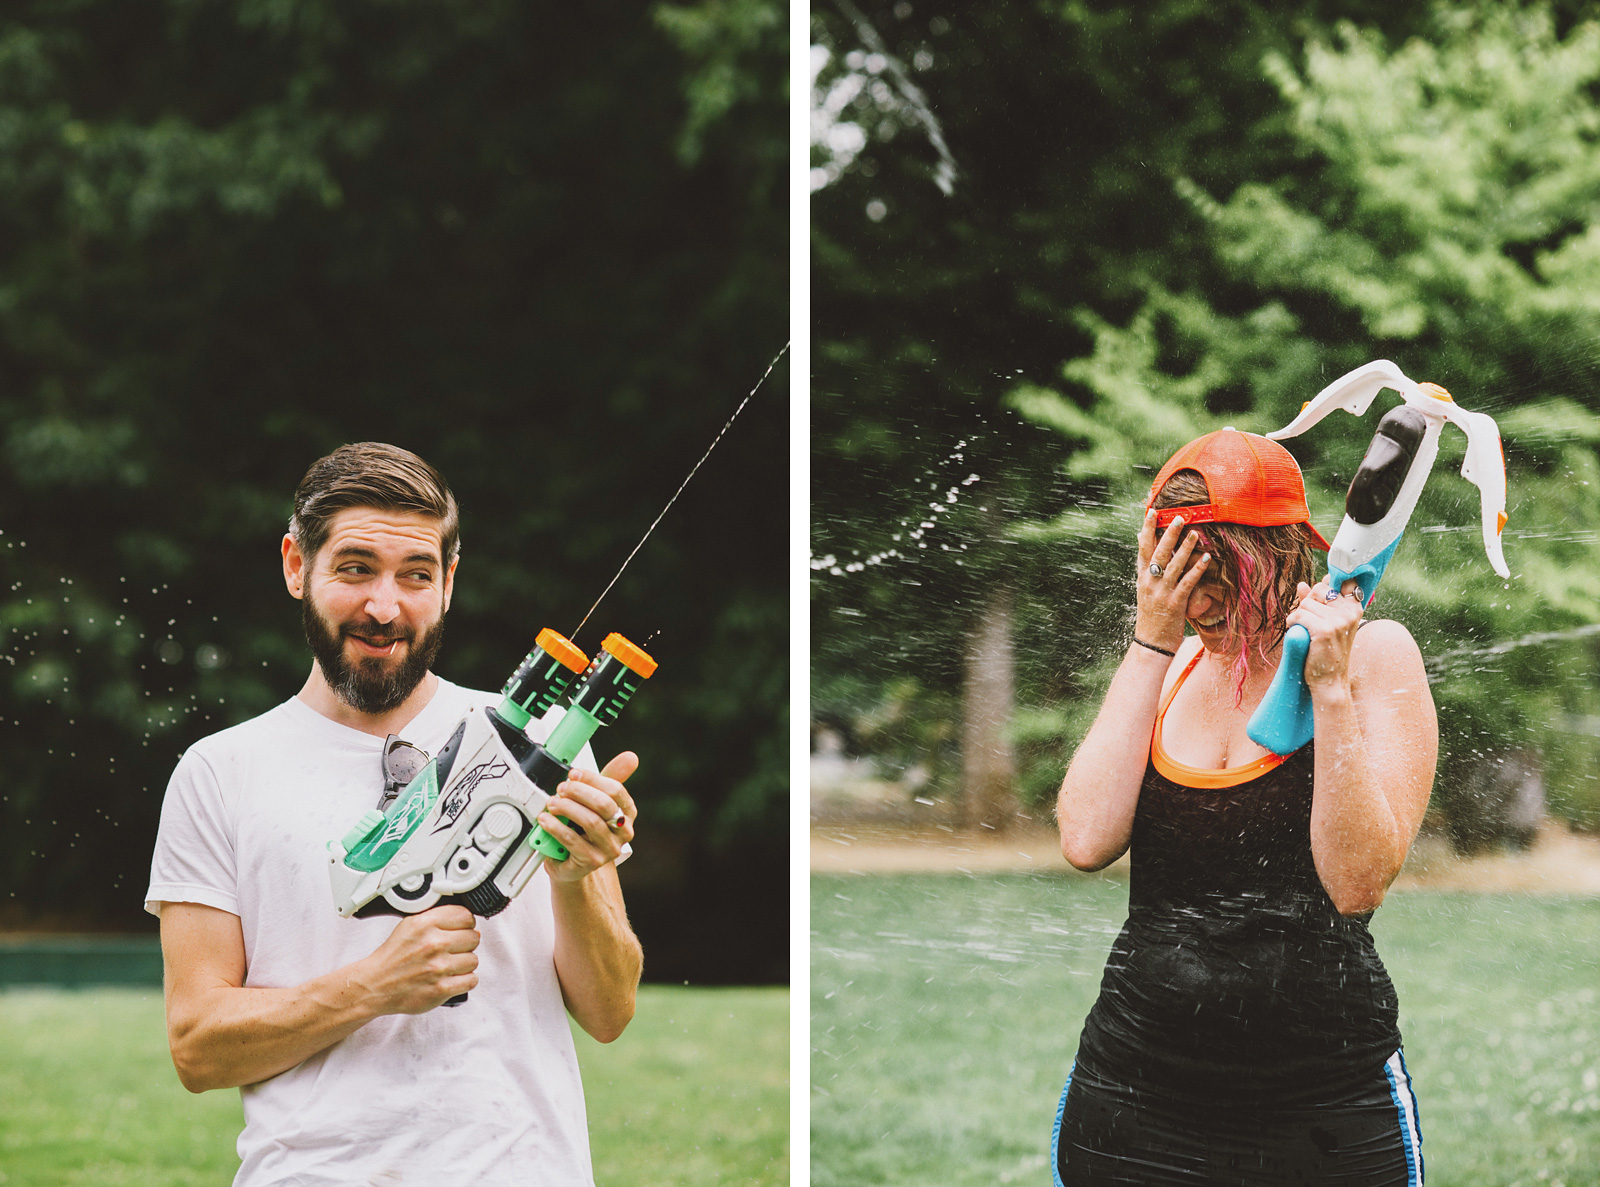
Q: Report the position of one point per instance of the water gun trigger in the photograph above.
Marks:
(1353, 391)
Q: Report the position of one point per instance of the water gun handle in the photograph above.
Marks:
(1283, 722)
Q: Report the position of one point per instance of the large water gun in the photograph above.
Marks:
(465, 829)
(1379, 504)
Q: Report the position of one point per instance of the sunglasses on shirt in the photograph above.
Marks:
(402, 762)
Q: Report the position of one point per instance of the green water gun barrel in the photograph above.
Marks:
(542, 677)
(617, 672)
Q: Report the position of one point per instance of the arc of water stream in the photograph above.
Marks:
(944, 174)
(1438, 665)
(692, 471)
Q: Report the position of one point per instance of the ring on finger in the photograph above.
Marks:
(1332, 595)
(1156, 570)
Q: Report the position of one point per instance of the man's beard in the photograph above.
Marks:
(369, 685)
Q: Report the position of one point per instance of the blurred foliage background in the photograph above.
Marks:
(542, 245)
(1054, 241)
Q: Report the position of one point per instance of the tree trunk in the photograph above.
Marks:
(988, 767)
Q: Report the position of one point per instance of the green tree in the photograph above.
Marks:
(982, 174)
(1440, 211)
(518, 239)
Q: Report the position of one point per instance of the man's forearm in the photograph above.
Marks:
(226, 1036)
(598, 959)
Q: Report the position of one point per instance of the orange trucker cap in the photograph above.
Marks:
(1252, 481)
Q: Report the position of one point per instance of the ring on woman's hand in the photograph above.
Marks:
(1333, 596)
(1156, 570)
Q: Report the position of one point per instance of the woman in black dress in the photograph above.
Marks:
(1246, 1030)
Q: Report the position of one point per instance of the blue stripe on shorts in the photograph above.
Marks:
(1410, 1125)
(1055, 1134)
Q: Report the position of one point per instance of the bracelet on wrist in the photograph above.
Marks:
(1153, 647)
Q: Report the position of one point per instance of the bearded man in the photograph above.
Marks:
(347, 1070)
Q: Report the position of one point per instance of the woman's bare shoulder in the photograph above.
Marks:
(1384, 647)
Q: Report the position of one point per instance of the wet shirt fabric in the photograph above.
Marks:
(1246, 1032)
(1113, 1134)
(1235, 980)
(486, 1093)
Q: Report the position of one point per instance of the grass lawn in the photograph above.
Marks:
(696, 1092)
(946, 1011)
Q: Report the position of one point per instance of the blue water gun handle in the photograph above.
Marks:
(1283, 721)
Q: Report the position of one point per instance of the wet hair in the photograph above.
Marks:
(1258, 568)
(372, 474)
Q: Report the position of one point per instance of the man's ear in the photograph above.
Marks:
(294, 567)
(450, 579)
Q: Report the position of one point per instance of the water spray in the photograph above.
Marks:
(945, 172)
(1382, 496)
(693, 470)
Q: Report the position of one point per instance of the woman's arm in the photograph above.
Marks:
(1377, 742)
(1098, 796)
(1095, 806)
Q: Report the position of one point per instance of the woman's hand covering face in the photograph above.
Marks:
(1162, 602)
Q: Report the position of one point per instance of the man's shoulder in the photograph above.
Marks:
(292, 722)
(264, 729)
(449, 704)
(452, 696)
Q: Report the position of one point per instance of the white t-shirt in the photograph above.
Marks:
(485, 1093)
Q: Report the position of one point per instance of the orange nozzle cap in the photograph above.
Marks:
(562, 649)
(630, 654)
(1437, 392)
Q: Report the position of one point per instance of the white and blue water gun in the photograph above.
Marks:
(1382, 496)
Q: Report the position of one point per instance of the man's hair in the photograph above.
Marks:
(1258, 566)
(372, 474)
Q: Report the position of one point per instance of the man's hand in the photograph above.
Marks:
(601, 807)
(598, 959)
(428, 959)
(223, 1034)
